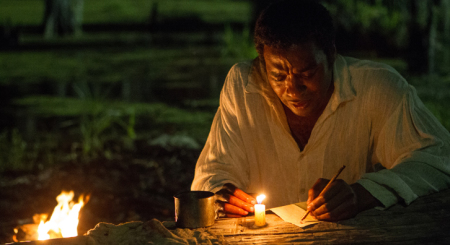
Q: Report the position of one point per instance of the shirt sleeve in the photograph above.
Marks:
(223, 159)
(414, 148)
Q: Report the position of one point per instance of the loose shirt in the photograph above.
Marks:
(374, 123)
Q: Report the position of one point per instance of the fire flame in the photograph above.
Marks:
(64, 220)
(260, 198)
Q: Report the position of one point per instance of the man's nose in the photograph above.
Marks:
(294, 86)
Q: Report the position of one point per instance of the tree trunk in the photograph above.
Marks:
(417, 52)
(446, 34)
(62, 17)
(432, 33)
(78, 6)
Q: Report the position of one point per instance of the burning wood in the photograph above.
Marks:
(63, 222)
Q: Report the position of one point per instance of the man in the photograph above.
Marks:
(300, 111)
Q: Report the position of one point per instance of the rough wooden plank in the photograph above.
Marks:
(417, 234)
(425, 221)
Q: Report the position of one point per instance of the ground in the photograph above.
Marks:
(137, 187)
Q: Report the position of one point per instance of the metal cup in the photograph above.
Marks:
(194, 209)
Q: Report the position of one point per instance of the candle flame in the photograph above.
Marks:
(260, 198)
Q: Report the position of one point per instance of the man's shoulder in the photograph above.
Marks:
(368, 75)
(369, 66)
(236, 81)
(239, 75)
(240, 69)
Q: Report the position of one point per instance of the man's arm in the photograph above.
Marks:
(415, 150)
(223, 161)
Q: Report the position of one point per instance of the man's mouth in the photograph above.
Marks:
(300, 104)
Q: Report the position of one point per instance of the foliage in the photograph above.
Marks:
(238, 45)
(95, 121)
(22, 12)
(440, 111)
(100, 121)
(30, 12)
(366, 17)
(434, 91)
(93, 125)
(13, 151)
(206, 10)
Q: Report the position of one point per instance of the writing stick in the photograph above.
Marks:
(327, 187)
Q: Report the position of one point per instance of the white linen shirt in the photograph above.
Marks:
(374, 120)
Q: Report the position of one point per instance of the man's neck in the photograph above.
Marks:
(301, 127)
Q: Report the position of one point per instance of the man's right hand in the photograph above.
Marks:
(232, 202)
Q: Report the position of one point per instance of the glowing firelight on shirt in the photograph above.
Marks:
(64, 220)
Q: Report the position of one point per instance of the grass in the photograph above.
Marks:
(207, 10)
(14, 148)
(93, 122)
(30, 12)
(435, 94)
(87, 129)
(97, 123)
(22, 12)
(91, 106)
(32, 67)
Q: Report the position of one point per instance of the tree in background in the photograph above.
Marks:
(446, 35)
(62, 17)
(428, 48)
(415, 29)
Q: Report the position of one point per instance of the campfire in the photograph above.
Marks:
(63, 222)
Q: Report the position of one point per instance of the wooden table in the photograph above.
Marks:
(425, 221)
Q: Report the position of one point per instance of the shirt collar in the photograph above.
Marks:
(258, 82)
(343, 87)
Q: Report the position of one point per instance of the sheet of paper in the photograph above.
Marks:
(293, 213)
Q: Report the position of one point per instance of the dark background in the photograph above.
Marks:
(114, 98)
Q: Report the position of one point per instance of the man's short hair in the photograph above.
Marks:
(286, 23)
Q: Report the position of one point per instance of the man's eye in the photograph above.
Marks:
(278, 78)
(309, 74)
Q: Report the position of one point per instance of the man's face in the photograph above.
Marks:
(301, 77)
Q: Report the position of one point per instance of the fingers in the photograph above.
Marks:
(338, 202)
(223, 214)
(229, 210)
(239, 193)
(233, 202)
(332, 198)
(244, 196)
(241, 204)
(316, 189)
(332, 206)
(345, 210)
(231, 199)
(232, 209)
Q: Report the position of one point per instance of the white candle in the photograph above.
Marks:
(260, 211)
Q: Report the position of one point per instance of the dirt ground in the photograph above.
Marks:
(136, 187)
